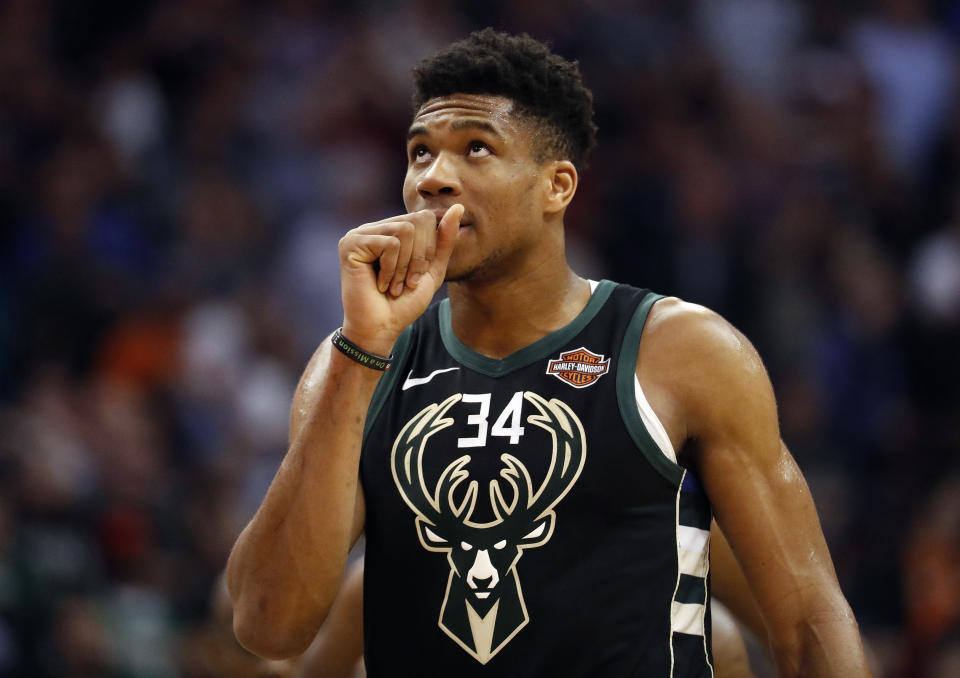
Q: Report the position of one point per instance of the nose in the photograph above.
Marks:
(440, 178)
(482, 583)
(482, 573)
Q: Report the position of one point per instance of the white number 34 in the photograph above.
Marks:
(507, 425)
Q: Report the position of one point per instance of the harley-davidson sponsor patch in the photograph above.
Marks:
(579, 368)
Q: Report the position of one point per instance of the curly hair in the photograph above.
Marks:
(546, 89)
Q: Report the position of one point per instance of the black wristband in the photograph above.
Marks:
(354, 352)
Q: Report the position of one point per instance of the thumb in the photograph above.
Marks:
(447, 231)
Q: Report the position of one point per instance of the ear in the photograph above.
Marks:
(429, 537)
(561, 179)
(539, 533)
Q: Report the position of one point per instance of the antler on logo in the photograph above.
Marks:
(483, 608)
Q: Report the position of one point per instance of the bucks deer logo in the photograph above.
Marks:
(483, 608)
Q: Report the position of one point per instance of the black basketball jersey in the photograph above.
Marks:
(520, 518)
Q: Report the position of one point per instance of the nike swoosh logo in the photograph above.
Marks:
(410, 382)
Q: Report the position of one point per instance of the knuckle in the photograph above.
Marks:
(345, 244)
(422, 218)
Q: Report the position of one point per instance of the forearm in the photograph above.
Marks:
(285, 568)
(338, 647)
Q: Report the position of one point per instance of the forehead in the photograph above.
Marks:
(450, 112)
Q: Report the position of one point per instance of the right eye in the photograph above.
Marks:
(478, 149)
(419, 153)
(465, 546)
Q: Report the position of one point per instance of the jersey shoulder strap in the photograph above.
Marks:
(626, 393)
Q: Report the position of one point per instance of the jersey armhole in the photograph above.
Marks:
(652, 422)
(629, 393)
(400, 349)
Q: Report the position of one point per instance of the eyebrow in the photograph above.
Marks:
(456, 126)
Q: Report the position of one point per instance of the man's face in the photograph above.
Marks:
(470, 149)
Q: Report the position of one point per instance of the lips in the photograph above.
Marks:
(464, 220)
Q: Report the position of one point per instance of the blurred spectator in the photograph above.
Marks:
(752, 40)
(912, 67)
(932, 584)
(935, 274)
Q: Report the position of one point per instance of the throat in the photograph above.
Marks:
(501, 321)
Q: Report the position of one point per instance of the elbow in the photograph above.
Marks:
(265, 636)
(825, 641)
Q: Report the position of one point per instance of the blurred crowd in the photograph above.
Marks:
(174, 178)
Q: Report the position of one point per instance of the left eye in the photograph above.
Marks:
(479, 150)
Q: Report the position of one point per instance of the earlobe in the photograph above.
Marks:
(563, 180)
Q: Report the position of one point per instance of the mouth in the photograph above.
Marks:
(464, 220)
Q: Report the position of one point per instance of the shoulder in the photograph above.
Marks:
(695, 330)
(701, 364)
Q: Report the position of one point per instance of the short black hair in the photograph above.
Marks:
(545, 88)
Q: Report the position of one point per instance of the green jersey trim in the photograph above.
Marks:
(400, 349)
(493, 367)
(626, 398)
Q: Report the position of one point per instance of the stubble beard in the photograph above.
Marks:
(487, 269)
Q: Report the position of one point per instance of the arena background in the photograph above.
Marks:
(174, 177)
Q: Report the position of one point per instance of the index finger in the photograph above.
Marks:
(447, 231)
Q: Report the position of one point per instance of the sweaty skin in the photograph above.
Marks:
(500, 244)
(285, 568)
(710, 390)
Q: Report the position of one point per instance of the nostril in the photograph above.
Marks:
(483, 583)
(446, 189)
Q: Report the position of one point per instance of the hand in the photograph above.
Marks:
(389, 272)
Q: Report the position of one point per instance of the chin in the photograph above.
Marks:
(459, 269)
(483, 271)
(457, 275)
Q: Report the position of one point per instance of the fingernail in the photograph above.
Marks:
(397, 288)
(413, 279)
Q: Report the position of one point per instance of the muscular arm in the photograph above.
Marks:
(286, 566)
(338, 648)
(712, 385)
(287, 562)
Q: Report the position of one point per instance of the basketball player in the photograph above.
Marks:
(536, 471)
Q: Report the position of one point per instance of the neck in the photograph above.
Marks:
(498, 317)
